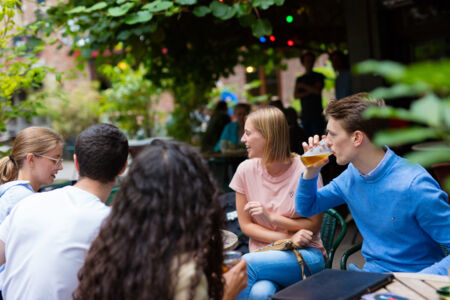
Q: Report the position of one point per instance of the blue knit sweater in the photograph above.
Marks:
(399, 209)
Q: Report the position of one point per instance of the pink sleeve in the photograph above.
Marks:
(237, 184)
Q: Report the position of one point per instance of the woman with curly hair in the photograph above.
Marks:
(265, 188)
(163, 238)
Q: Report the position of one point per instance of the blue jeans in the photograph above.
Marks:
(271, 271)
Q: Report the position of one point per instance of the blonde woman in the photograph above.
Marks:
(36, 157)
(265, 188)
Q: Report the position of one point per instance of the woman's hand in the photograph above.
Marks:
(235, 280)
(302, 237)
(255, 209)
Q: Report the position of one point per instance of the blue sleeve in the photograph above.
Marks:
(432, 210)
(11, 198)
(433, 215)
(439, 268)
(310, 201)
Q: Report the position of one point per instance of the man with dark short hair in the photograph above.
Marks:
(48, 234)
(400, 210)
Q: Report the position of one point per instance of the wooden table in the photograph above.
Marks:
(416, 286)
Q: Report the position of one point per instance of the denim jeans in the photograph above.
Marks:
(271, 271)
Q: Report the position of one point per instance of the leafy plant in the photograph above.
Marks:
(19, 67)
(128, 102)
(71, 112)
(183, 44)
(429, 115)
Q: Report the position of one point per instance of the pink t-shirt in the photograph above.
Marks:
(276, 194)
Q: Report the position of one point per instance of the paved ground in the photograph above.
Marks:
(346, 244)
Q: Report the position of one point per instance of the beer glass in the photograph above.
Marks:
(316, 154)
(230, 258)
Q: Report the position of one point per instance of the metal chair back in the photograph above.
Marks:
(330, 221)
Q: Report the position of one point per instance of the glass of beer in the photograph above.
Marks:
(316, 154)
(230, 258)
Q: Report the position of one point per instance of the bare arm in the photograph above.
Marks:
(2, 253)
(253, 230)
(256, 231)
(311, 223)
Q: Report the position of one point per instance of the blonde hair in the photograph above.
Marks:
(36, 140)
(271, 123)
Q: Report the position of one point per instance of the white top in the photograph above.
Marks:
(47, 236)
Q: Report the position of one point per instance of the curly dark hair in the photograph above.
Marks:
(166, 207)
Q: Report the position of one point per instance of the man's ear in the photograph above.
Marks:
(357, 138)
(76, 163)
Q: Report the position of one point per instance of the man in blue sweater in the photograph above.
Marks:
(399, 209)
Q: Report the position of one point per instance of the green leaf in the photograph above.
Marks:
(391, 113)
(76, 10)
(264, 4)
(446, 111)
(123, 35)
(158, 6)
(119, 11)
(279, 2)
(120, 1)
(98, 6)
(400, 90)
(404, 136)
(388, 69)
(139, 17)
(219, 9)
(429, 109)
(201, 11)
(429, 157)
(261, 27)
(241, 9)
(186, 2)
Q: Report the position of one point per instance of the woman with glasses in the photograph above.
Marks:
(36, 157)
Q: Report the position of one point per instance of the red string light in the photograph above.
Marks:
(290, 43)
(272, 38)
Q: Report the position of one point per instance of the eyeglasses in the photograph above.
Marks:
(56, 161)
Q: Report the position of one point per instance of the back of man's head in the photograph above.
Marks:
(101, 151)
(350, 110)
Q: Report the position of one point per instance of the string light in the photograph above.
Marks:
(289, 19)
(250, 69)
(272, 38)
(290, 43)
(262, 39)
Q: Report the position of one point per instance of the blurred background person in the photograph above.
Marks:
(232, 133)
(308, 88)
(216, 124)
(163, 237)
(296, 134)
(343, 81)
